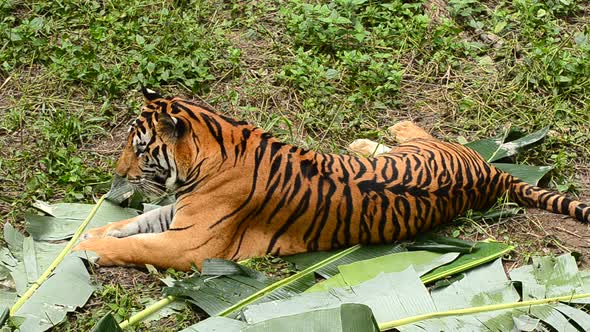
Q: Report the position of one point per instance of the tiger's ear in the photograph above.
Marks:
(149, 94)
(170, 128)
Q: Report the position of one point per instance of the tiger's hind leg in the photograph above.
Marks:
(401, 132)
(367, 148)
(405, 131)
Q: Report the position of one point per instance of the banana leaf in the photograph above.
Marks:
(527, 173)
(484, 300)
(24, 259)
(358, 272)
(480, 253)
(434, 243)
(303, 261)
(54, 298)
(62, 219)
(232, 286)
(223, 285)
(550, 277)
(217, 324)
(107, 324)
(492, 149)
(346, 318)
(486, 252)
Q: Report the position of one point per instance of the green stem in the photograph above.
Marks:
(164, 302)
(147, 312)
(57, 260)
(409, 320)
(287, 280)
(466, 266)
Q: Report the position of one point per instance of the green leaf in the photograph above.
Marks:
(550, 277)
(64, 218)
(483, 300)
(226, 294)
(548, 314)
(214, 295)
(14, 239)
(34, 257)
(358, 272)
(139, 39)
(441, 248)
(491, 287)
(493, 149)
(217, 324)
(346, 318)
(30, 260)
(385, 305)
(486, 252)
(303, 261)
(576, 315)
(107, 324)
(55, 297)
(4, 315)
(527, 173)
(525, 323)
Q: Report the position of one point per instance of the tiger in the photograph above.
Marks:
(242, 193)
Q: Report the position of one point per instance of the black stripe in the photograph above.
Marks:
(565, 205)
(580, 213)
(259, 154)
(217, 133)
(299, 211)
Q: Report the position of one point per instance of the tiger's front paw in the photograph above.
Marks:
(105, 231)
(405, 131)
(96, 233)
(105, 248)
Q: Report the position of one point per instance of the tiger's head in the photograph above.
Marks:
(151, 160)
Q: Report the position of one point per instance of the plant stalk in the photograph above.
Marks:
(57, 260)
(413, 319)
(287, 280)
(138, 317)
(466, 266)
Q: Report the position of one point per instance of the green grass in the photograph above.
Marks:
(317, 74)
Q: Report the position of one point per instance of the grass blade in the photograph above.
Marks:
(473, 310)
(261, 293)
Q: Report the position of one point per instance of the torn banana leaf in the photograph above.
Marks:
(397, 298)
(358, 272)
(305, 260)
(233, 286)
(492, 149)
(62, 219)
(346, 318)
(55, 297)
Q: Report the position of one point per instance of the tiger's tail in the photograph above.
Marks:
(531, 196)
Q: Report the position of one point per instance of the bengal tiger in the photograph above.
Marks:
(242, 193)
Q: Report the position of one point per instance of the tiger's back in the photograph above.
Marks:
(309, 201)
